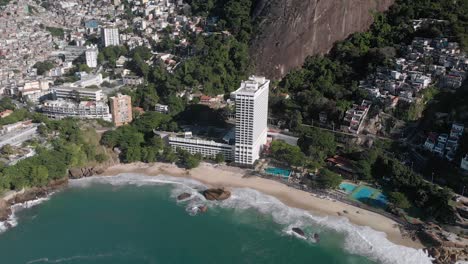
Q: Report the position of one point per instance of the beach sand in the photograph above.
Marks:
(225, 176)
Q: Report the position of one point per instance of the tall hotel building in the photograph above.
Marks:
(245, 144)
(110, 37)
(251, 101)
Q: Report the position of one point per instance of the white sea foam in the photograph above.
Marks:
(359, 240)
(12, 220)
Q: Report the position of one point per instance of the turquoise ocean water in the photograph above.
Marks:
(136, 219)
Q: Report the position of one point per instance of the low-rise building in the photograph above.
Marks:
(160, 108)
(132, 80)
(464, 163)
(206, 147)
(67, 92)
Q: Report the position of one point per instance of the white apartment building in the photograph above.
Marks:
(58, 109)
(110, 37)
(65, 92)
(251, 101)
(207, 148)
(91, 56)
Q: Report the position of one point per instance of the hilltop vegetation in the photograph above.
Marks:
(74, 147)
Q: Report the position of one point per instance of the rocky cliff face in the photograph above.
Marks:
(291, 30)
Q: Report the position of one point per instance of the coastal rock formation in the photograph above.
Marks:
(445, 255)
(298, 231)
(5, 210)
(183, 196)
(218, 194)
(203, 208)
(38, 192)
(290, 30)
(77, 173)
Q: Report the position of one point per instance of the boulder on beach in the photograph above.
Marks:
(217, 194)
(183, 196)
(298, 231)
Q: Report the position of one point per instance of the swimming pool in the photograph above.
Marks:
(371, 196)
(278, 172)
(347, 187)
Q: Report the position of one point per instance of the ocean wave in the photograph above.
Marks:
(360, 240)
(12, 220)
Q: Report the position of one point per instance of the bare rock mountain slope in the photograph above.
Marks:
(291, 30)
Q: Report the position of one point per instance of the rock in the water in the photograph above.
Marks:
(298, 231)
(183, 196)
(203, 208)
(317, 237)
(218, 194)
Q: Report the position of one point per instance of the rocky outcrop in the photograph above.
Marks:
(183, 196)
(290, 30)
(38, 192)
(77, 173)
(298, 231)
(217, 194)
(445, 255)
(5, 210)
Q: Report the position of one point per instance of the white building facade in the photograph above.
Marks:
(65, 92)
(58, 109)
(207, 148)
(91, 57)
(251, 101)
(110, 37)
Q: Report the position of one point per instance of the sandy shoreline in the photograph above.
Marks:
(225, 176)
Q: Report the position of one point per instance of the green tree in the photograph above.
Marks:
(219, 158)
(328, 179)
(399, 200)
(284, 152)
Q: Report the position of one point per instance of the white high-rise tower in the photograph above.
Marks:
(251, 119)
(110, 37)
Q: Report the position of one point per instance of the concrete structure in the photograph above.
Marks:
(15, 134)
(207, 148)
(160, 108)
(121, 109)
(58, 109)
(65, 92)
(464, 163)
(251, 101)
(132, 80)
(91, 56)
(110, 37)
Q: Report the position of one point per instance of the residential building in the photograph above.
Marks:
(15, 134)
(58, 109)
(464, 163)
(132, 80)
(110, 37)
(121, 109)
(430, 141)
(457, 130)
(206, 147)
(354, 117)
(91, 56)
(251, 101)
(66, 92)
(160, 108)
